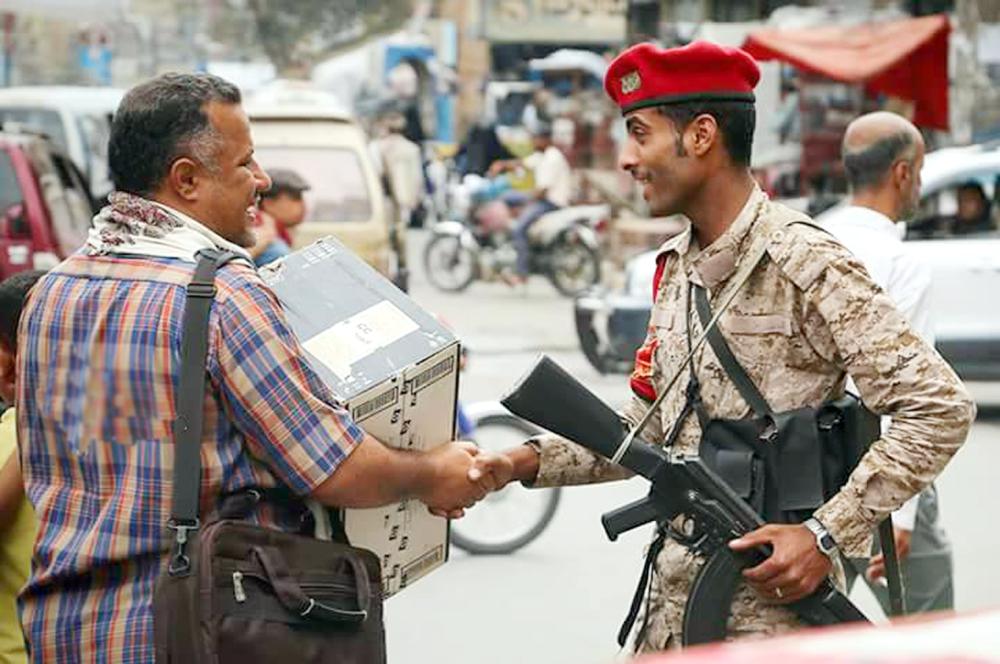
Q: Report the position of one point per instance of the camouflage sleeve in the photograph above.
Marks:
(564, 463)
(898, 374)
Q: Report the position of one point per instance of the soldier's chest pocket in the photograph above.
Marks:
(767, 338)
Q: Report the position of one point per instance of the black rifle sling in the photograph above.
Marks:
(748, 390)
(190, 403)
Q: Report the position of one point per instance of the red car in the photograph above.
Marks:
(45, 207)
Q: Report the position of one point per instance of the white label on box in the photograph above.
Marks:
(343, 344)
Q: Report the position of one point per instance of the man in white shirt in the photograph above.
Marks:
(883, 154)
(553, 185)
(400, 164)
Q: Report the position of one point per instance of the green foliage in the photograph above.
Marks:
(296, 34)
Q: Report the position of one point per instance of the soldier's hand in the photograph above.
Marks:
(876, 568)
(492, 471)
(794, 569)
(487, 472)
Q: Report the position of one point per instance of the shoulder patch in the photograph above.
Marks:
(799, 247)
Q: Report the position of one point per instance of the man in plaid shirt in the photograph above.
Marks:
(99, 368)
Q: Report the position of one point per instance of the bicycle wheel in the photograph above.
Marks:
(507, 520)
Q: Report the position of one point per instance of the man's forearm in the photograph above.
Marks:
(375, 475)
(526, 460)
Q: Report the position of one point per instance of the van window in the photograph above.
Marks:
(71, 229)
(96, 133)
(339, 186)
(38, 119)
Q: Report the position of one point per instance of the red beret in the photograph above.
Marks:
(647, 75)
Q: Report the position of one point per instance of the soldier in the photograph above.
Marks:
(883, 154)
(807, 316)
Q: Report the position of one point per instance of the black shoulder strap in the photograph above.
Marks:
(748, 390)
(190, 401)
(760, 407)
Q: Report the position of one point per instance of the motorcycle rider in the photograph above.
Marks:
(553, 182)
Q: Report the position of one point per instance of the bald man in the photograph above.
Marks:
(883, 154)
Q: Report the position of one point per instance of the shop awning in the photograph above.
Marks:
(906, 58)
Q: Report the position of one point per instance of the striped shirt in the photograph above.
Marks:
(98, 368)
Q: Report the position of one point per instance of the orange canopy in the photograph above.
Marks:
(906, 58)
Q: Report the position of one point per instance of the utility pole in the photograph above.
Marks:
(642, 21)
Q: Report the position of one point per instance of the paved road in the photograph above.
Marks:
(562, 598)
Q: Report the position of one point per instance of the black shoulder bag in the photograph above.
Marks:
(237, 592)
(786, 465)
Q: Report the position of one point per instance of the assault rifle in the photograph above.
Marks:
(710, 512)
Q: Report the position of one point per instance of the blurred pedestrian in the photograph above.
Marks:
(400, 162)
(797, 312)
(17, 520)
(99, 363)
(883, 154)
(481, 148)
(553, 186)
(281, 208)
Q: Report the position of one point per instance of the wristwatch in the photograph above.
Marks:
(824, 540)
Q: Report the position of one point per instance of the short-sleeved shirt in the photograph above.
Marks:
(99, 357)
(553, 174)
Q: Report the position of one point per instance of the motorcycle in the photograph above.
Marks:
(511, 518)
(564, 245)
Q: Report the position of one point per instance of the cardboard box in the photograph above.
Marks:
(394, 367)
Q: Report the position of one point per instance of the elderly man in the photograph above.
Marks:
(99, 360)
(806, 316)
(883, 154)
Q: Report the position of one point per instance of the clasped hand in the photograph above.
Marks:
(463, 474)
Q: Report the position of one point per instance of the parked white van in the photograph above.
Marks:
(77, 119)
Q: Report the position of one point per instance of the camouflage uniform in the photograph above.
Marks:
(808, 313)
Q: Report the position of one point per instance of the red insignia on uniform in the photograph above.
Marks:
(641, 380)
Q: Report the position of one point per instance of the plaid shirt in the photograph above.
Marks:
(98, 368)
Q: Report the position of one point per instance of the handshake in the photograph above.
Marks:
(461, 474)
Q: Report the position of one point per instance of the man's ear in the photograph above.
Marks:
(184, 177)
(902, 173)
(704, 133)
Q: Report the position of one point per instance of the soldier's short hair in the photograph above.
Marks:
(736, 120)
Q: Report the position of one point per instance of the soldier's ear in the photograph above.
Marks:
(704, 133)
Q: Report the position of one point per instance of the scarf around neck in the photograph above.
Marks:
(134, 225)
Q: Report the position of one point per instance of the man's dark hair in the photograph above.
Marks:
(869, 167)
(736, 120)
(161, 120)
(13, 292)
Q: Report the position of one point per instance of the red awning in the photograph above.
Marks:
(907, 58)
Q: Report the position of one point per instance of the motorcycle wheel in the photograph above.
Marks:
(573, 265)
(450, 265)
(511, 518)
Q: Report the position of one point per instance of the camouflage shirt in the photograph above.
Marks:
(807, 316)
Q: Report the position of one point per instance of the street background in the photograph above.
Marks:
(561, 598)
